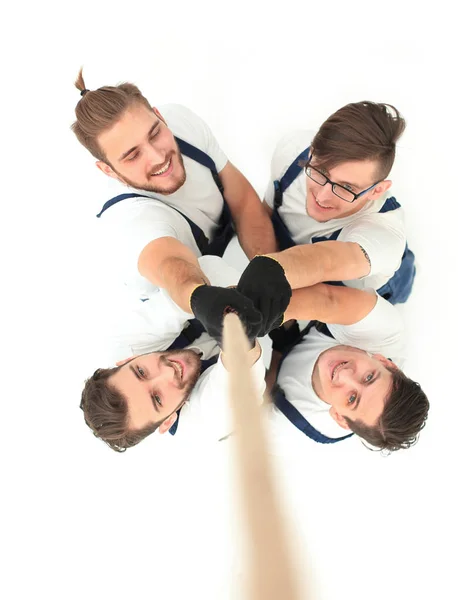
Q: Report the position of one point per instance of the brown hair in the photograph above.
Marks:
(402, 419)
(105, 412)
(100, 109)
(360, 131)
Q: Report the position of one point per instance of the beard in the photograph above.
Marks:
(156, 187)
(192, 363)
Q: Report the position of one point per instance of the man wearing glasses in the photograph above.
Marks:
(330, 204)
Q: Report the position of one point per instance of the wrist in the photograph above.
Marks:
(190, 293)
(273, 257)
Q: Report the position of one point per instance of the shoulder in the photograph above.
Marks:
(372, 218)
(382, 330)
(143, 207)
(146, 220)
(182, 120)
(288, 149)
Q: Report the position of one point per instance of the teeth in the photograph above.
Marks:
(336, 368)
(322, 204)
(180, 368)
(163, 170)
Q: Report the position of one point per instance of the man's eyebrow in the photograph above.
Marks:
(356, 404)
(126, 154)
(354, 185)
(134, 372)
(341, 183)
(156, 408)
(374, 379)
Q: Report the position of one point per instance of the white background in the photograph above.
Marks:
(160, 521)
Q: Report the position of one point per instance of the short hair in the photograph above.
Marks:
(100, 109)
(106, 413)
(403, 417)
(360, 131)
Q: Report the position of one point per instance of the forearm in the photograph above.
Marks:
(180, 277)
(330, 304)
(255, 231)
(309, 264)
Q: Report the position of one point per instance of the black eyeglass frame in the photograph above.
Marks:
(308, 167)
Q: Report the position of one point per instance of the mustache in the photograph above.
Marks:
(188, 386)
(177, 380)
(157, 168)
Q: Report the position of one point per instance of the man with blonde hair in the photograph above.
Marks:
(183, 194)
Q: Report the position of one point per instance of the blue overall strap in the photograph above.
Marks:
(191, 152)
(194, 330)
(200, 157)
(299, 421)
(117, 199)
(285, 407)
(204, 364)
(290, 175)
(322, 238)
(225, 231)
(282, 234)
(388, 205)
(398, 288)
(293, 340)
(198, 235)
(323, 328)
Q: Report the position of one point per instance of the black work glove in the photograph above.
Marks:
(285, 336)
(265, 284)
(210, 303)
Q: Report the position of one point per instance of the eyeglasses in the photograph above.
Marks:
(339, 190)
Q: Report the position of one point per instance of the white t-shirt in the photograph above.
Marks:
(208, 411)
(151, 327)
(138, 327)
(382, 235)
(381, 331)
(132, 224)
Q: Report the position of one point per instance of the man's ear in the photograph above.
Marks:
(167, 424)
(381, 188)
(386, 362)
(108, 170)
(338, 418)
(122, 362)
(158, 115)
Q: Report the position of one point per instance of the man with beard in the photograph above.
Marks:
(333, 380)
(183, 195)
(173, 391)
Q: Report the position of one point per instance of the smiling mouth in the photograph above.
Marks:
(337, 368)
(164, 168)
(323, 206)
(179, 369)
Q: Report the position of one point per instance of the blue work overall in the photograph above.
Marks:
(396, 290)
(204, 365)
(290, 411)
(216, 246)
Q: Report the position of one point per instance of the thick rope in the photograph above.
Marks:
(271, 574)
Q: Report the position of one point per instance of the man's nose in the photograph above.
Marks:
(325, 191)
(155, 157)
(347, 377)
(169, 375)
